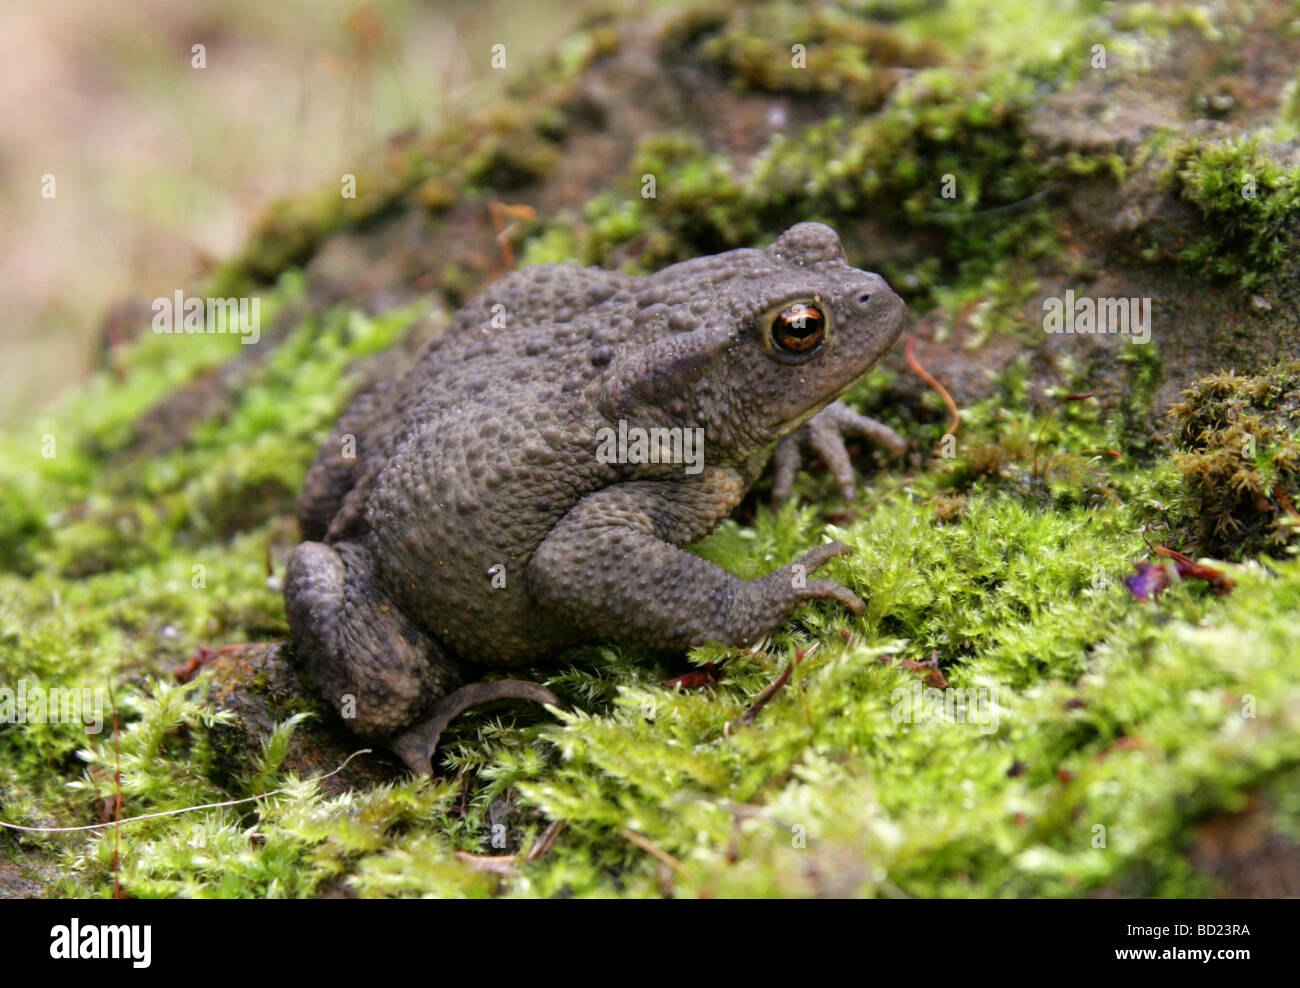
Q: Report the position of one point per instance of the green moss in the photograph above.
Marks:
(1289, 108)
(1159, 20)
(512, 151)
(1240, 461)
(1110, 712)
(890, 166)
(1119, 715)
(1063, 454)
(435, 194)
(1144, 373)
(1250, 205)
(785, 48)
(598, 40)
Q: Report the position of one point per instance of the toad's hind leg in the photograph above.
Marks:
(369, 661)
(416, 745)
(390, 682)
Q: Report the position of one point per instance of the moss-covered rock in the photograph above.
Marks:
(985, 159)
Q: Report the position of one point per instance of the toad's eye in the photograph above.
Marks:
(799, 329)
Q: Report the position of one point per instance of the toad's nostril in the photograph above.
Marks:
(864, 298)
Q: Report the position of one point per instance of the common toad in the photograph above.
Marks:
(509, 495)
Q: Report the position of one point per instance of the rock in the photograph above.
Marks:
(261, 688)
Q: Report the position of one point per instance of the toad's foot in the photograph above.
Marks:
(825, 433)
(415, 745)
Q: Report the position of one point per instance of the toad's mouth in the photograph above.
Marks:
(789, 425)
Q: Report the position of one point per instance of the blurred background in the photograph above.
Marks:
(160, 167)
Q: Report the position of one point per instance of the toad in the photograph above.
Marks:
(529, 482)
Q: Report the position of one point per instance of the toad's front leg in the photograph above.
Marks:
(613, 566)
(825, 433)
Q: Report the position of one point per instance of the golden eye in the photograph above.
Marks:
(799, 329)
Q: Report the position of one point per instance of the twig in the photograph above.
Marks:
(507, 865)
(770, 691)
(500, 212)
(954, 215)
(497, 864)
(204, 654)
(931, 380)
(651, 848)
(544, 842)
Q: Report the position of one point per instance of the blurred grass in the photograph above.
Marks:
(161, 167)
